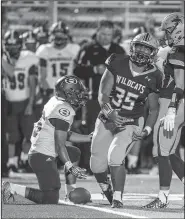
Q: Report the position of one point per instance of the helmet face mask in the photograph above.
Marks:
(59, 34)
(143, 49)
(13, 44)
(30, 41)
(71, 89)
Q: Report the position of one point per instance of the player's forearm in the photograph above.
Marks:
(178, 92)
(152, 118)
(32, 90)
(103, 99)
(8, 69)
(62, 153)
(79, 138)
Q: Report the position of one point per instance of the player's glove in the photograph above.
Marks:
(76, 171)
(139, 135)
(169, 119)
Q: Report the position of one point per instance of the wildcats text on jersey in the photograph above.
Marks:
(130, 83)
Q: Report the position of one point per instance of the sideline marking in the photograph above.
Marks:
(101, 209)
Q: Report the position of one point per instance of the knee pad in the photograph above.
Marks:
(98, 165)
(50, 197)
(43, 197)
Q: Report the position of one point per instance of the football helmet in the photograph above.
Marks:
(41, 34)
(59, 34)
(13, 43)
(173, 27)
(143, 49)
(72, 90)
(29, 40)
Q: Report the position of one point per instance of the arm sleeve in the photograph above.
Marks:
(110, 62)
(33, 70)
(156, 83)
(59, 124)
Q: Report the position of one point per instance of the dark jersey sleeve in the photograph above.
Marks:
(110, 62)
(33, 70)
(156, 82)
(59, 124)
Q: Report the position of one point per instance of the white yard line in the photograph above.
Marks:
(139, 196)
(102, 210)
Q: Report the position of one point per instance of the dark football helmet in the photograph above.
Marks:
(59, 34)
(13, 43)
(72, 90)
(143, 49)
(41, 34)
(29, 40)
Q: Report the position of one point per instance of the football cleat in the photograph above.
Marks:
(157, 203)
(6, 192)
(116, 204)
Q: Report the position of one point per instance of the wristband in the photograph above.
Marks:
(107, 109)
(176, 97)
(68, 165)
(148, 129)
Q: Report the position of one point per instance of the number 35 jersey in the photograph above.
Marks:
(42, 138)
(17, 87)
(59, 61)
(131, 89)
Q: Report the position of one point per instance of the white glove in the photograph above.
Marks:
(169, 119)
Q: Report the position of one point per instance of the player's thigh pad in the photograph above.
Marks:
(122, 144)
(101, 141)
(166, 143)
(13, 129)
(45, 168)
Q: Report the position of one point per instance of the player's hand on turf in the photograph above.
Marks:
(78, 172)
(116, 118)
(169, 119)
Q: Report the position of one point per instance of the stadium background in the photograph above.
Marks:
(82, 16)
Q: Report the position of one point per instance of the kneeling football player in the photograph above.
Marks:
(48, 142)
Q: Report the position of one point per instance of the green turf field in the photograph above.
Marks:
(139, 190)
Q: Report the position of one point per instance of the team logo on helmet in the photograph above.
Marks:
(71, 81)
(64, 112)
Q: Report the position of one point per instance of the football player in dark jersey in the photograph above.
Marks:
(126, 84)
(170, 121)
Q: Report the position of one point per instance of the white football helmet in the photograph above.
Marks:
(143, 56)
(173, 27)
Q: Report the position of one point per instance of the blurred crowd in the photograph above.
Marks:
(24, 94)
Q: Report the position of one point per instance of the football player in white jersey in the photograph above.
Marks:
(48, 139)
(57, 57)
(20, 93)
